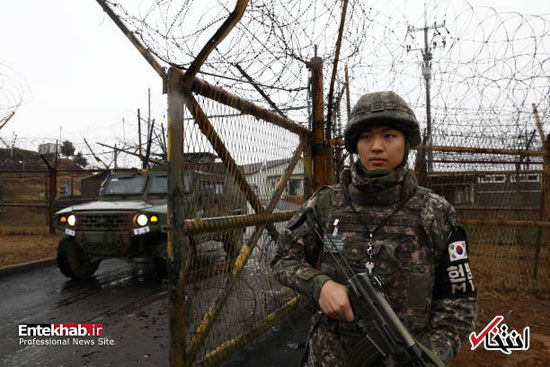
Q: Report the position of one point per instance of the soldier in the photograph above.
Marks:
(389, 226)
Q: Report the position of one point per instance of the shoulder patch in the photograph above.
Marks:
(453, 273)
(456, 245)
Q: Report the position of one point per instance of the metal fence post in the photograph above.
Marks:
(51, 198)
(308, 166)
(318, 148)
(177, 248)
(546, 195)
(51, 188)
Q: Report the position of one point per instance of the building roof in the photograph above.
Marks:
(252, 168)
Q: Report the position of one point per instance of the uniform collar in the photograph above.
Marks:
(385, 189)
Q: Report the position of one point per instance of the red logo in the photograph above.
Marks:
(61, 330)
(497, 336)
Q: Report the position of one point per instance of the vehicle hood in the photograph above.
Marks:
(116, 206)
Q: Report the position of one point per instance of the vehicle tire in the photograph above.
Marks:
(160, 259)
(233, 242)
(72, 261)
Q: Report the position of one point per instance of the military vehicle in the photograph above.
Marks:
(129, 219)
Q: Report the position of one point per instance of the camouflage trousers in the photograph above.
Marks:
(331, 342)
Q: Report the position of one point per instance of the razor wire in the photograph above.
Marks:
(13, 89)
(492, 67)
(488, 67)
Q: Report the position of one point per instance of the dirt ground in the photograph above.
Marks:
(519, 308)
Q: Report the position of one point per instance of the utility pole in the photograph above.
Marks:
(148, 111)
(116, 156)
(139, 134)
(427, 72)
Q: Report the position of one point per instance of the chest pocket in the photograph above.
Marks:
(400, 263)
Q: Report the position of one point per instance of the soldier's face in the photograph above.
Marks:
(381, 148)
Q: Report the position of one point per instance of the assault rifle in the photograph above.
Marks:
(389, 336)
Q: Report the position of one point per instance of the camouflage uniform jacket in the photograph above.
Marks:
(434, 297)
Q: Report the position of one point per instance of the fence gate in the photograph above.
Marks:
(237, 171)
(238, 168)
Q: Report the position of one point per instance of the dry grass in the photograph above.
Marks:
(23, 230)
(506, 267)
(23, 244)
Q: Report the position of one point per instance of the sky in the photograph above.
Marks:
(80, 76)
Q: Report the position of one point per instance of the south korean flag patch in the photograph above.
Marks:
(457, 250)
(453, 273)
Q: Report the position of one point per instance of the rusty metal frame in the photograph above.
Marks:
(217, 94)
(318, 148)
(179, 249)
(203, 329)
(132, 38)
(219, 147)
(180, 94)
(203, 225)
(181, 87)
(204, 88)
(218, 355)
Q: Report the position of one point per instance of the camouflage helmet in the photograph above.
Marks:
(381, 108)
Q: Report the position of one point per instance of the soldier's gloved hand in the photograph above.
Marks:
(334, 301)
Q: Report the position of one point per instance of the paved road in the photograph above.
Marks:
(126, 298)
(132, 306)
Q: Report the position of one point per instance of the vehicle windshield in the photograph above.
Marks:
(158, 185)
(124, 185)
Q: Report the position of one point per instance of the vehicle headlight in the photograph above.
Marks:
(142, 220)
(71, 220)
